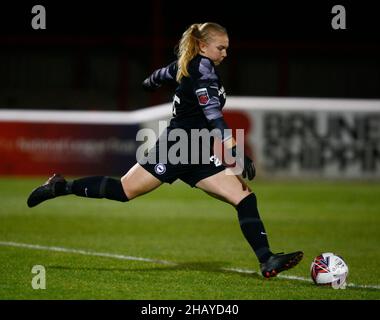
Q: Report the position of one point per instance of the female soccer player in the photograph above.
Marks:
(197, 104)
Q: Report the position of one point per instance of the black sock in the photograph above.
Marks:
(93, 187)
(253, 228)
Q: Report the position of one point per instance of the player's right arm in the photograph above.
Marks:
(160, 76)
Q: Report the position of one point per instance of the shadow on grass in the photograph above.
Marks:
(213, 266)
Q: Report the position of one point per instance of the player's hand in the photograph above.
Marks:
(249, 170)
(150, 86)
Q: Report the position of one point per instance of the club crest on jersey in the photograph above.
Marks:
(202, 96)
(160, 168)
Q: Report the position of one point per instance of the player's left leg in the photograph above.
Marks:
(233, 190)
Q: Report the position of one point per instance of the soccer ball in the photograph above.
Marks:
(329, 269)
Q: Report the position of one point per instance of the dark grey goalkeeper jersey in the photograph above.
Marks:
(198, 99)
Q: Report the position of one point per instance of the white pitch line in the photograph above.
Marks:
(124, 257)
(83, 252)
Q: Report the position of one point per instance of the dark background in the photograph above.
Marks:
(94, 55)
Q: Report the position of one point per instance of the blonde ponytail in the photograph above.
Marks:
(188, 46)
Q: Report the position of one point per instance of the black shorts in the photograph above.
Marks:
(189, 172)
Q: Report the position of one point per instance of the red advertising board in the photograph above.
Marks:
(73, 149)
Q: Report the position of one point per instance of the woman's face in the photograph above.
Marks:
(216, 48)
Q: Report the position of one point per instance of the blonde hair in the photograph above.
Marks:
(188, 46)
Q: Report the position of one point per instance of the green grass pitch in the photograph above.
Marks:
(199, 235)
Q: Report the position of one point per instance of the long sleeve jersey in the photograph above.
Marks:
(199, 98)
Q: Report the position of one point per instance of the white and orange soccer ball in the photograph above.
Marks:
(329, 269)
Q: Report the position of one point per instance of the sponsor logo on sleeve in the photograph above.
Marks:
(202, 96)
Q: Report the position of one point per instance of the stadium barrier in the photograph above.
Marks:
(287, 137)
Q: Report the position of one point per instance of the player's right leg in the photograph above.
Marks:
(136, 182)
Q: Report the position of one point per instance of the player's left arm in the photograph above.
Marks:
(208, 100)
(207, 92)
